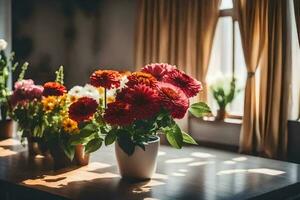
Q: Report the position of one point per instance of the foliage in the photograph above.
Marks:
(224, 94)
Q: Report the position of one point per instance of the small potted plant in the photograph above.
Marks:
(224, 91)
(6, 67)
(146, 105)
(71, 124)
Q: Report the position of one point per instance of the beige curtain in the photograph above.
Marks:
(297, 16)
(178, 32)
(251, 16)
(264, 128)
(275, 81)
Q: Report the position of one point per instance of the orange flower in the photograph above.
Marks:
(54, 89)
(105, 78)
(141, 78)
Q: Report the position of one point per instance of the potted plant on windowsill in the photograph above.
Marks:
(224, 91)
(145, 106)
(6, 123)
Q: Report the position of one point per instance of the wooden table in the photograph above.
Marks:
(187, 174)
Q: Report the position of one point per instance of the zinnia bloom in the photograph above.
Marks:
(118, 113)
(49, 103)
(190, 86)
(54, 89)
(25, 91)
(83, 109)
(141, 78)
(70, 126)
(173, 99)
(105, 78)
(144, 101)
(158, 70)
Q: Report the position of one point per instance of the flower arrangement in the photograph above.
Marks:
(147, 104)
(5, 70)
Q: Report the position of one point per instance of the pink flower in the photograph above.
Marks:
(190, 86)
(173, 99)
(158, 70)
(26, 91)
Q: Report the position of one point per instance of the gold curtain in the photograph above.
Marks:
(251, 16)
(275, 81)
(297, 16)
(264, 128)
(178, 32)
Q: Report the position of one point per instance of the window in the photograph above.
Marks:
(227, 58)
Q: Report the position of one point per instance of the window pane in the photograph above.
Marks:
(221, 63)
(226, 4)
(221, 56)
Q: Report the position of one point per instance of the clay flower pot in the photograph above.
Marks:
(141, 164)
(7, 129)
(61, 160)
(221, 114)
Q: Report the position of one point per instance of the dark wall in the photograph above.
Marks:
(78, 34)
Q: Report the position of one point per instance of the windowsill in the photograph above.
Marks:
(226, 120)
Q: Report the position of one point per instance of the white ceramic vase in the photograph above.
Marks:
(141, 164)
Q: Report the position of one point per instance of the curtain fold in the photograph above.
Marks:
(264, 128)
(251, 16)
(297, 17)
(177, 32)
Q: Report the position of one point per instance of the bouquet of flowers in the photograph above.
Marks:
(146, 103)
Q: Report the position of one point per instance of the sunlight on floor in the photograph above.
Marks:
(183, 170)
(81, 174)
(177, 174)
(202, 155)
(266, 171)
(229, 162)
(147, 187)
(179, 160)
(9, 142)
(161, 153)
(194, 164)
(239, 159)
(160, 176)
(6, 152)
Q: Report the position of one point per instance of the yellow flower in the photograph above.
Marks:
(111, 99)
(70, 126)
(49, 103)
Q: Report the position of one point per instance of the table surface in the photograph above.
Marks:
(187, 174)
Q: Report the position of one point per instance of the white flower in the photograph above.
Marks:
(90, 91)
(76, 91)
(3, 44)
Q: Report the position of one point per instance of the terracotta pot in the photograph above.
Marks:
(141, 164)
(61, 160)
(221, 114)
(80, 156)
(6, 129)
(36, 146)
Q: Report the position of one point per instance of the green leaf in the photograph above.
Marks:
(110, 138)
(187, 138)
(199, 109)
(88, 130)
(174, 137)
(93, 145)
(69, 151)
(126, 144)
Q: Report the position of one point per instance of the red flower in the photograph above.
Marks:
(54, 89)
(173, 99)
(141, 78)
(105, 78)
(143, 99)
(118, 113)
(83, 109)
(158, 70)
(190, 86)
